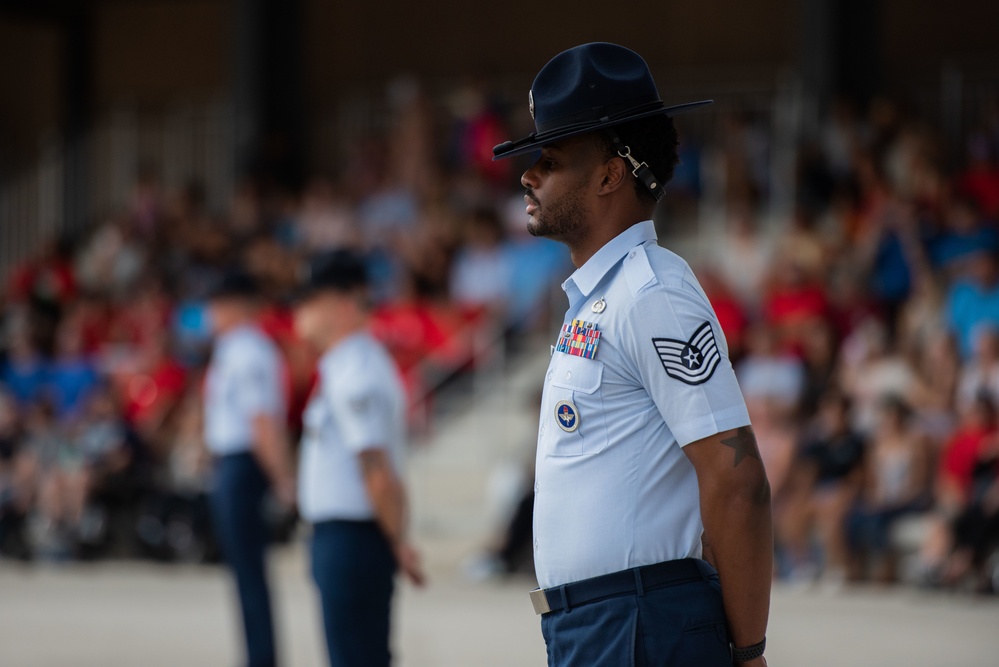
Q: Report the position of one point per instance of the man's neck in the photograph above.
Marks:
(233, 325)
(337, 337)
(581, 250)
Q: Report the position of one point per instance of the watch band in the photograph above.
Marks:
(749, 652)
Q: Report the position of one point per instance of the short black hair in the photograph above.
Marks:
(653, 141)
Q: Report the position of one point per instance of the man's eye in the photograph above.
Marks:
(550, 164)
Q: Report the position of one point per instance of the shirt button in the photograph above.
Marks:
(542, 432)
(549, 376)
(535, 545)
(631, 254)
(568, 375)
(535, 487)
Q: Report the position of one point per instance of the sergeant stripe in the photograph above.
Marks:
(703, 341)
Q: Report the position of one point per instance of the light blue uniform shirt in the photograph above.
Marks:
(614, 489)
(243, 381)
(359, 404)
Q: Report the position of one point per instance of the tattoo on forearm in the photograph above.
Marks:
(372, 461)
(744, 444)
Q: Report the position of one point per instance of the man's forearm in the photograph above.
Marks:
(738, 524)
(385, 491)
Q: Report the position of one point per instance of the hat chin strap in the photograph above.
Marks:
(639, 170)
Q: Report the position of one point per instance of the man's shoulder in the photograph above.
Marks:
(251, 345)
(361, 360)
(652, 269)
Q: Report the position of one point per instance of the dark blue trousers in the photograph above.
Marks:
(674, 626)
(354, 569)
(237, 511)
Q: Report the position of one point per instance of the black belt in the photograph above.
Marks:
(615, 584)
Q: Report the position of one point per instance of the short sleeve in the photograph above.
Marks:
(681, 356)
(257, 383)
(364, 417)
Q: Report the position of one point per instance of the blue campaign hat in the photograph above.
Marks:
(586, 89)
(234, 283)
(340, 270)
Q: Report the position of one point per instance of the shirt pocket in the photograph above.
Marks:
(575, 413)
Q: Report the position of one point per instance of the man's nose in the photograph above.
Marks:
(527, 179)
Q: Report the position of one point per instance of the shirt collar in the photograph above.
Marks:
(342, 346)
(237, 332)
(586, 278)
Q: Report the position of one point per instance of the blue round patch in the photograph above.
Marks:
(566, 416)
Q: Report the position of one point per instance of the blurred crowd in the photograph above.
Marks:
(864, 328)
(865, 335)
(105, 336)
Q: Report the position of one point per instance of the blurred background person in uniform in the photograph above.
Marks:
(244, 430)
(351, 461)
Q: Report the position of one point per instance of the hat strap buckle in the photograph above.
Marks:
(640, 170)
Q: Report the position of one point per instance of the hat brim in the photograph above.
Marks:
(299, 295)
(226, 293)
(535, 141)
(304, 293)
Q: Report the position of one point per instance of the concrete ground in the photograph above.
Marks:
(116, 614)
(139, 615)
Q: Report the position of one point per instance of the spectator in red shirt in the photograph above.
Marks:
(963, 449)
(795, 302)
(47, 278)
(153, 390)
(980, 180)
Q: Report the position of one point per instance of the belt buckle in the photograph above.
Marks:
(540, 601)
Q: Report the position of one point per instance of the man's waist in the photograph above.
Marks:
(236, 452)
(220, 446)
(316, 508)
(624, 582)
(599, 546)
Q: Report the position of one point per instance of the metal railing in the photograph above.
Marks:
(192, 141)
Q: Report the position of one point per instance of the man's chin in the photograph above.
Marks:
(534, 228)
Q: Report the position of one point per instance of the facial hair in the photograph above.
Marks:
(559, 219)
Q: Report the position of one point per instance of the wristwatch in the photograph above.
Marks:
(748, 653)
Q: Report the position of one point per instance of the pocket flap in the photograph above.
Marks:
(577, 373)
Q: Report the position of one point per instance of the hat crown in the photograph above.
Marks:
(341, 269)
(234, 282)
(589, 88)
(590, 82)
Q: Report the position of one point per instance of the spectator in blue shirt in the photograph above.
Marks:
(25, 372)
(72, 375)
(973, 301)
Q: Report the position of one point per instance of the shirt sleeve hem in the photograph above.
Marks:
(724, 420)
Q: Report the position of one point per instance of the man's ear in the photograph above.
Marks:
(613, 176)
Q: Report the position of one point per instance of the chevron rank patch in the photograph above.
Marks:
(691, 361)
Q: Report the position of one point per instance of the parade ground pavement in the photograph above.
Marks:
(142, 615)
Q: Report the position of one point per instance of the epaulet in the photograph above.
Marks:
(638, 270)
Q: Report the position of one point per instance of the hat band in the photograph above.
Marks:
(596, 116)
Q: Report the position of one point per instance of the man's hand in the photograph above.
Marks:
(408, 559)
(388, 498)
(286, 492)
(273, 453)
